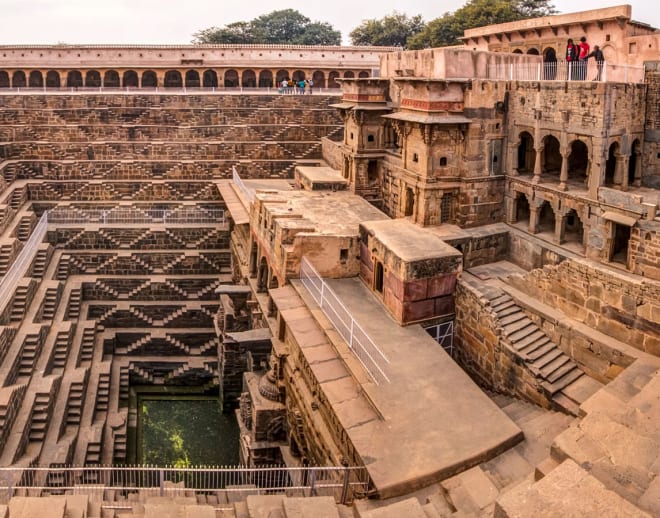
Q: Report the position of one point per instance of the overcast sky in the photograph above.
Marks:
(174, 21)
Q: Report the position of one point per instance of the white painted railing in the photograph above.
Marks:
(22, 262)
(238, 182)
(340, 482)
(232, 90)
(567, 71)
(371, 357)
(192, 215)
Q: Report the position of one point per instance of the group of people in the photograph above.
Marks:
(577, 57)
(301, 87)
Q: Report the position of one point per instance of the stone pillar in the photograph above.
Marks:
(533, 218)
(160, 78)
(560, 227)
(563, 175)
(538, 166)
(513, 155)
(621, 171)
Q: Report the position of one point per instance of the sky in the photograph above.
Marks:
(175, 21)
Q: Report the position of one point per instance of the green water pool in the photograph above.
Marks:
(186, 432)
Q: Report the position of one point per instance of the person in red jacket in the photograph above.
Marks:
(583, 55)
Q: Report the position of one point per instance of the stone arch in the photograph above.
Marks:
(4, 79)
(231, 78)
(36, 79)
(578, 161)
(18, 80)
(249, 78)
(573, 230)
(130, 79)
(549, 63)
(379, 275)
(262, 275)
(409, 202)
(173, 79)
(192, 79)
(521, 212)
(546, 219)
(298, 75)
(517, 51)
(551, 156)
(210, 79)
(332, 79)
(53, 79)
(74, 79)
(533, 52)
(149, 79)
(611, 177)
(349, 74)
(363, 74)
(111, 79)
(319, 79)
(266, 79)
(93, 78)
(634, 163)
(526, 153)
(280, 76)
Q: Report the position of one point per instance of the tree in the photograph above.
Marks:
(447, 29)
(392, 30)
(287, 26)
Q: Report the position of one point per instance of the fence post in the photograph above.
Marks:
(312, 483)
(161, 476)
(351, 340)
(344, 489)
(322, 287)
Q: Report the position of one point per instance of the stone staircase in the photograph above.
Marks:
(556, 375)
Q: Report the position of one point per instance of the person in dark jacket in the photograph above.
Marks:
(571, 59)
(597, 54)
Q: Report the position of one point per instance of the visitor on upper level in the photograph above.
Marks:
(583, 57)
(597, 54)
(571, 58)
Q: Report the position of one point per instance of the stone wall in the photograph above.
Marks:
(480, 352)
(331, 152)
(531, 254)
(651, 154)
(619, 305)
(489, 244)
(645, 249)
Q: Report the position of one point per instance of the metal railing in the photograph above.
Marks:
(247, 192)
(192, 215)
(342, 483)
(371, 357)
(22, 262)
(177, 90)
(567, 71)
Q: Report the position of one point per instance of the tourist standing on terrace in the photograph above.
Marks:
(571, 59)
(597, 54)
(583, 57)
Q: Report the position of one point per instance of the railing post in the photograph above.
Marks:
(312, 483)
(351, 340)
(161, 476)
(344, 488)
(322, 288)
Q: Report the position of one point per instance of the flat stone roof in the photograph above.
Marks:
(322, 174)
(330, 213)
(424, 118)
(428, 423)
(410, 242)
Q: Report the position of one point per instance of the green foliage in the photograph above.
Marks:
(447, 29)
(285, 27)
(391, 31)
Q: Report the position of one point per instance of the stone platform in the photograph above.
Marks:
(429, 422)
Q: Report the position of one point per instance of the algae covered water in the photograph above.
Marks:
(187, 432)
